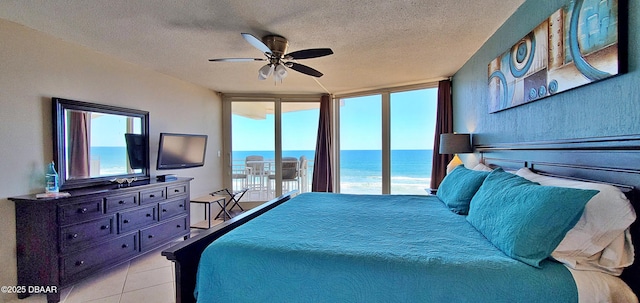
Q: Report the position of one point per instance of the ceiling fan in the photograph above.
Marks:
(274, 48)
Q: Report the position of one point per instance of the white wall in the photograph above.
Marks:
(35, 67)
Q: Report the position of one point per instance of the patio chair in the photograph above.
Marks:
(303, 181)
(256, 177)
(289, 171)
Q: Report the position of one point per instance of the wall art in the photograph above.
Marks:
(576, 45)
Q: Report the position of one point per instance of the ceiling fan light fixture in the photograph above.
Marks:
(265, 71)
(274, 47)
(280, 72)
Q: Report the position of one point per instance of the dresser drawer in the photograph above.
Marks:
(133, 219)
(83, 210)
(75, 236)
(153, 195)
(85, 261)
(153, 236)
(176, 190)
(115, 203)
(172, 208)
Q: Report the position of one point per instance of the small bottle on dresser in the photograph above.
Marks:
(51, 179)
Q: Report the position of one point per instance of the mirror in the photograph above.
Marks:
(95, 143)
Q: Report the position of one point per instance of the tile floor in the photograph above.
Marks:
(149, 278)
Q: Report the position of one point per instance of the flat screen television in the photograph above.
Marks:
(181, 150)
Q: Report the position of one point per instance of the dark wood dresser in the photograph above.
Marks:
(63, 240)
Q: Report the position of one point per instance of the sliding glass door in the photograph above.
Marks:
(272, 144)
(299, 132)
(253, 142)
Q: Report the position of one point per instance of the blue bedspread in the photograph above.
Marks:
(321, 247)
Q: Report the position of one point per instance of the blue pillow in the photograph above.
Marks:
(523, 219)
(459, 186)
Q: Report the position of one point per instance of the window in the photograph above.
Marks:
(413, 115)
(361, 145)
(386, 142)
(383, 145)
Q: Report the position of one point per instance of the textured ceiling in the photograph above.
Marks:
(376, 43)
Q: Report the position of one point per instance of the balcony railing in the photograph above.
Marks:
(259, 178)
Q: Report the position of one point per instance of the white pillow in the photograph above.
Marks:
(482, 167)
(601, 239)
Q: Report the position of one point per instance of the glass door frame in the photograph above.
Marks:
(228, 100)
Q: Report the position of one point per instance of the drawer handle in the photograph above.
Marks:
(78, 263)
(178, 226)
(104, 227)
(150, 236)
(72, 236)
(180, 205)
(121, 202)
(125, 245)
(176, 190)
(152, 196)
(148, 215)
(164, 210)
(125, 221)
(82, 210)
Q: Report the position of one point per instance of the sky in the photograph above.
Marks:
(413, 119)
(108, 130)
(412, 125)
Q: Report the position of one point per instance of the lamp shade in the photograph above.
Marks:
(265, 71)
(455, 144)
(280, 72)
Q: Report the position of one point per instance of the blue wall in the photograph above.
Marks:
(607, 108)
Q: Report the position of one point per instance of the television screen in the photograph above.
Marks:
(181, 150)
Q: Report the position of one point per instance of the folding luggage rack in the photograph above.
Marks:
(233, 200)
(223, 197)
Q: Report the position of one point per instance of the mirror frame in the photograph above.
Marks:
(60, 105)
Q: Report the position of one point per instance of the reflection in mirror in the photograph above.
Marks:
(96, 143)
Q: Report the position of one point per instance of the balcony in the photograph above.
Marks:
(259, 177)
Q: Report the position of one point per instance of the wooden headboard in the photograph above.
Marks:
(612, 160)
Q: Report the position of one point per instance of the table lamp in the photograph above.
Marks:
(455, 144)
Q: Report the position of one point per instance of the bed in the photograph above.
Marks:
(322, 247)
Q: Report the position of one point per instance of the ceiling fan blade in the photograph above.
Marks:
(236, 59)
(256, 43)
(304, 69)
(309, 53)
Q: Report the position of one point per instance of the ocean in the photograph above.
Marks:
(360, 170)
(111, 160)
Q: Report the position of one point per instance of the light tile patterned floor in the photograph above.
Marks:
(149, 278)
